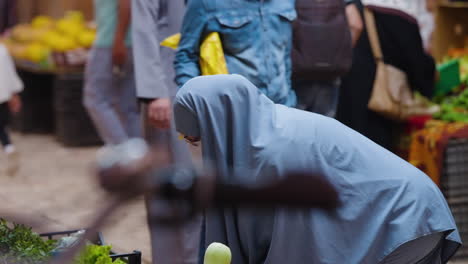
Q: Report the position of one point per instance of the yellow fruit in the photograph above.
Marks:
(36, 34)
(62, 25)
(86, 38)
(70, 28)
(49, 38)
(22, 33)
(42, 22)
(64, 43)
(36, 52)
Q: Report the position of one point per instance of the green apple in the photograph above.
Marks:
(217, 253)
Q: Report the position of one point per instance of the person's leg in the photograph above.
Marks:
(128, 105)
(12, 165)
(319, 97)
(164, 240)
(422, 250)
(305, 92)
(100, 95)
(4, 137)
(333, 95)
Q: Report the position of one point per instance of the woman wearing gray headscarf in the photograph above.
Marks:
(391, 212)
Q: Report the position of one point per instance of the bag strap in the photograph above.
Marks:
(373, 34)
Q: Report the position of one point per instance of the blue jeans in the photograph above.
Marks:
(319, 97)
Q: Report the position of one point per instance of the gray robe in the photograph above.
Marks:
(153, 21)
(385, 201)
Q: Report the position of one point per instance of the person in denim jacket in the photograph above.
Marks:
(256, 37)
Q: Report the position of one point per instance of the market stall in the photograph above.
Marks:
(438, 144)
(50, 55)
(19, 244)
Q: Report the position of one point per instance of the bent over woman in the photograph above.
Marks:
(390, 211)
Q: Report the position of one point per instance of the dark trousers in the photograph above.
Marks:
(4, 114)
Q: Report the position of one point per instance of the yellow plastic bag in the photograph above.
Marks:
(212, 60)
(172, 41)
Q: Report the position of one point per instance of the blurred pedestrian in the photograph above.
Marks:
(10, 86)
(256, 39)
(110, 93)
(154, 21)
(402, 47)
(322, 52)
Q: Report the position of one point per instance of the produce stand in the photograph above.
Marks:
(451, 27)
(50, 55)
(439, 143)
(52, 103)
(130, 258)
(73, 126)
(441, 151)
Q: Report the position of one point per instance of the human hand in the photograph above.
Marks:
(160, 113)
(119, 53)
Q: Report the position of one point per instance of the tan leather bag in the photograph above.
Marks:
(391, 95)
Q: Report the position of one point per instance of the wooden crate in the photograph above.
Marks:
(451, 27)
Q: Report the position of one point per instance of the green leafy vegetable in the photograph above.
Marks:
(19, 244)
(454, 108)
(94, 254)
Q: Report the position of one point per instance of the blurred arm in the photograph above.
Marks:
(355, 21)
(119, 53)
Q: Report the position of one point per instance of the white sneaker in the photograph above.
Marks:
(12, 160)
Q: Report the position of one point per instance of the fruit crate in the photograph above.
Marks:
(73, 126)
(36, 115)
(454, 185)
(130, 258)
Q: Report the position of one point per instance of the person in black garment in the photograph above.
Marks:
(402, 47)
(10, 86)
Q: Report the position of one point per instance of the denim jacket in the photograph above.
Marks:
(256, 37)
